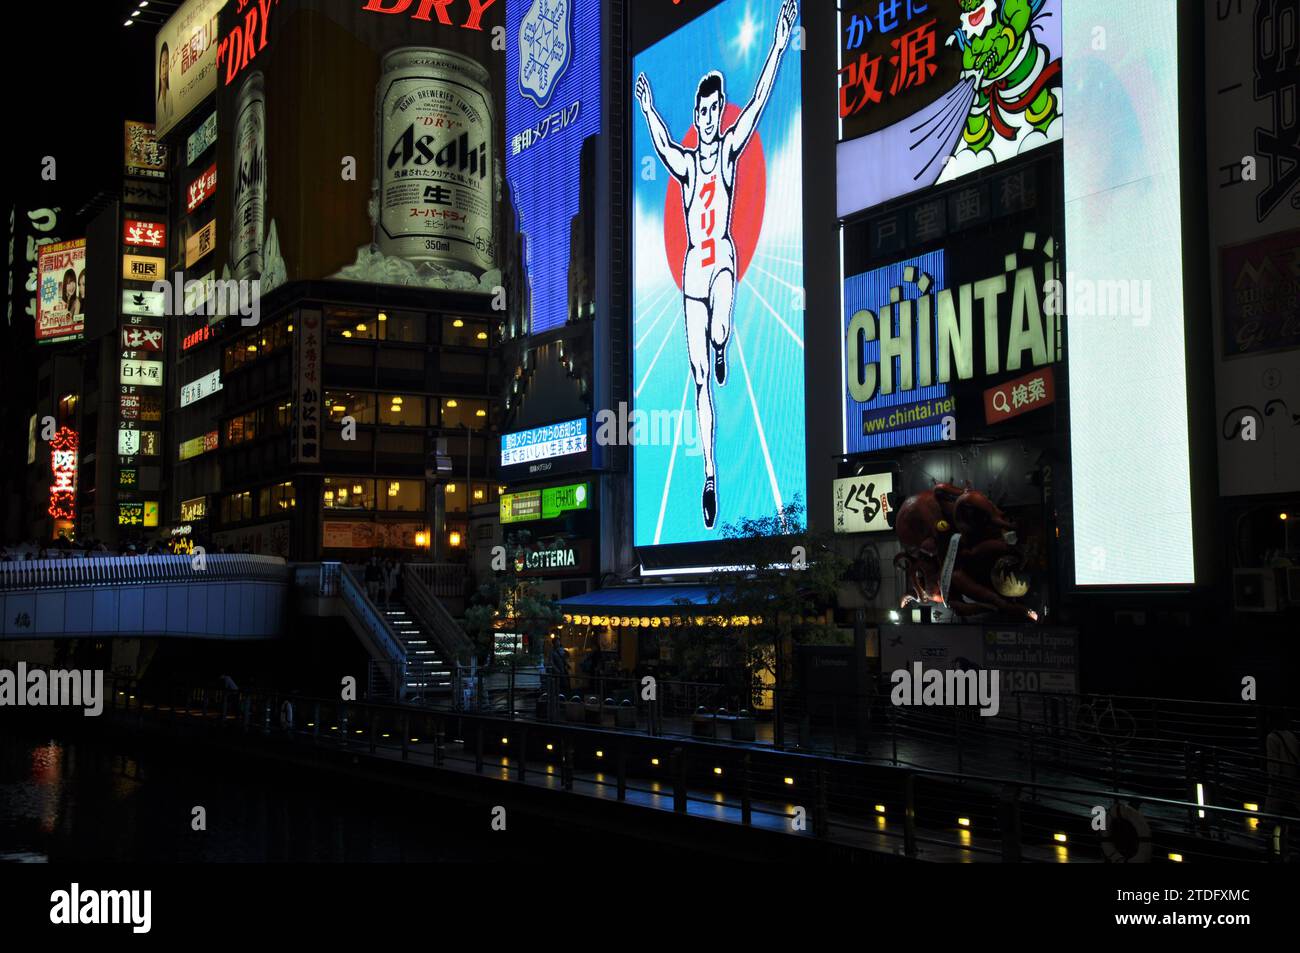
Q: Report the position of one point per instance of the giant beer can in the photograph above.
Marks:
(435, 129)
(249, 229)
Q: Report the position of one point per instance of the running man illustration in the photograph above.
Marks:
(707, 174)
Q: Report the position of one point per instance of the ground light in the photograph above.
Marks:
(1060, 838)
(963, 822)
(1250, 806)
(655, 762)
(789, 780)
(1176, 858)
(880, 809)
(717, 771)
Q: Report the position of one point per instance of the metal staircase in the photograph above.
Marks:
(428, 673)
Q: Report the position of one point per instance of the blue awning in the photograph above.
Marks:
(642, 597)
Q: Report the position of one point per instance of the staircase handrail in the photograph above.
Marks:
(433, 615)
(368, 617)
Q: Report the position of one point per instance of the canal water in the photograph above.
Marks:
(91, 796)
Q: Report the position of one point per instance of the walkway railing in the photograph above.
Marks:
(138, 570)
(915, 813)
(444, 580)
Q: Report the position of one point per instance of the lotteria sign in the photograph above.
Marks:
(562, 558)
(915, 330)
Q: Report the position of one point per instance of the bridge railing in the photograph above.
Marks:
(138, 570)
(903, 810)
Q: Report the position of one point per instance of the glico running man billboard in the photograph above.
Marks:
(718, 273)
(931, 91)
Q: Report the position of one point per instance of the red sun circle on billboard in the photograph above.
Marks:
(748, 204)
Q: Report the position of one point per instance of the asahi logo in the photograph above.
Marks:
(421, 151)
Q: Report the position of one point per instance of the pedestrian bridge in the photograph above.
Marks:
(218, 597)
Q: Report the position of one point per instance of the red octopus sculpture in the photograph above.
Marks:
(976, 574)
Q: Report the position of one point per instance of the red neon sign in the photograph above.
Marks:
(196, 338)
(63, 465)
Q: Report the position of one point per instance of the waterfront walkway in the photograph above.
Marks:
(885, 811)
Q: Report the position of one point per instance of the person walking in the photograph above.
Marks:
(390, 581)
(372, 578)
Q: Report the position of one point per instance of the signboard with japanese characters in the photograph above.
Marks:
(201, 244)
(141, 373)
(307, 427)
(553, 104)
(137, 443)
(933, 90)
(145, 155)
(931, 340)
(63, 473)
(861, 503)
(141, 268)
(144, 193)
(544, 504)
(140, 407)
(141, 234)
(203, 137)
(146, 304)
(197, 446)
(542, 451)
(61, 292)
(201, 189)
(142, 339)
(141, 515)
(1019, 396)
(196, 390)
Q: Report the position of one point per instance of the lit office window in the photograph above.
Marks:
(401, 410)
(459, 411)
(348, 493)
(405, 496)
(352, 324)
(359, 406)
(403, 326)
(465, 332)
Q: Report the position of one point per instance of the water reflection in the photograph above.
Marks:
(101, 799)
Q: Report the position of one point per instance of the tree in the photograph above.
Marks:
(511, 599)
(778, 582)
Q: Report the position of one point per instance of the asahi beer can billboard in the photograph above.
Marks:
(349, 152)
(250, 183)
(435, 135)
